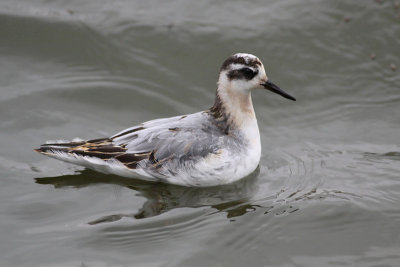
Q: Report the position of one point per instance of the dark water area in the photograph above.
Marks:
(326, 193)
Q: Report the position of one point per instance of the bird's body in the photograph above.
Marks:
(213, 147)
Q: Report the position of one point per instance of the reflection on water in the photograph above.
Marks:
(161, 197)
(377, 156)
(235, 199)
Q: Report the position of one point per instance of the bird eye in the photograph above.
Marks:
(248, 73)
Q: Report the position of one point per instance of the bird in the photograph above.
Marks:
(213, 147)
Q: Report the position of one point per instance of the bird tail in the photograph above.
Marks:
(52, 148)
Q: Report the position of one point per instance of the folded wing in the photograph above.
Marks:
(151, 145)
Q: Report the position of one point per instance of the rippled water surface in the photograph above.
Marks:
(326, 193)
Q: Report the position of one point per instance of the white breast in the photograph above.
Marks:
(228, 165)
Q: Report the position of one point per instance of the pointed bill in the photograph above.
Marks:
(274, 88)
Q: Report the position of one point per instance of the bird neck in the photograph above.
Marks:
(235, 106)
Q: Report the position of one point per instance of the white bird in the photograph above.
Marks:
(213, 147)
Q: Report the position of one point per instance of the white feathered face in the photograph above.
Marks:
(244, 72)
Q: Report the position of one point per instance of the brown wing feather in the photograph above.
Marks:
(100, 148)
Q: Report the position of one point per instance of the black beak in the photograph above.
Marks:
(274, 88)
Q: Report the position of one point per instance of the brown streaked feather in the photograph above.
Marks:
(131, 160)
(70, 144)
(108, 149)
(102, 148)
(132, 165)
(129, 132)
(159, 163)
(132, 157)
(99, 148)
(152, 158)
(99, 140)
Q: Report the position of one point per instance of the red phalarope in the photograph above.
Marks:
(213, 147)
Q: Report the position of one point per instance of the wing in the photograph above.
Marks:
(98, 148)
(176, 140)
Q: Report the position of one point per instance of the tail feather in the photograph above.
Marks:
(68, 147)
(69, 144)
(49, 149)
(60, 147)
(97, 148)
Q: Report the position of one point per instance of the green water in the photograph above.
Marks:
(327, 192)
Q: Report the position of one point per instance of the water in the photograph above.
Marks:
(327, 191)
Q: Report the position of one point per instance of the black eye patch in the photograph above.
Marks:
(244, 73)
(249, 73)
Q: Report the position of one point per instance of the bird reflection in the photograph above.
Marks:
(232, 199)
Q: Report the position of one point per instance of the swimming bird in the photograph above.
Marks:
(213, 147)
